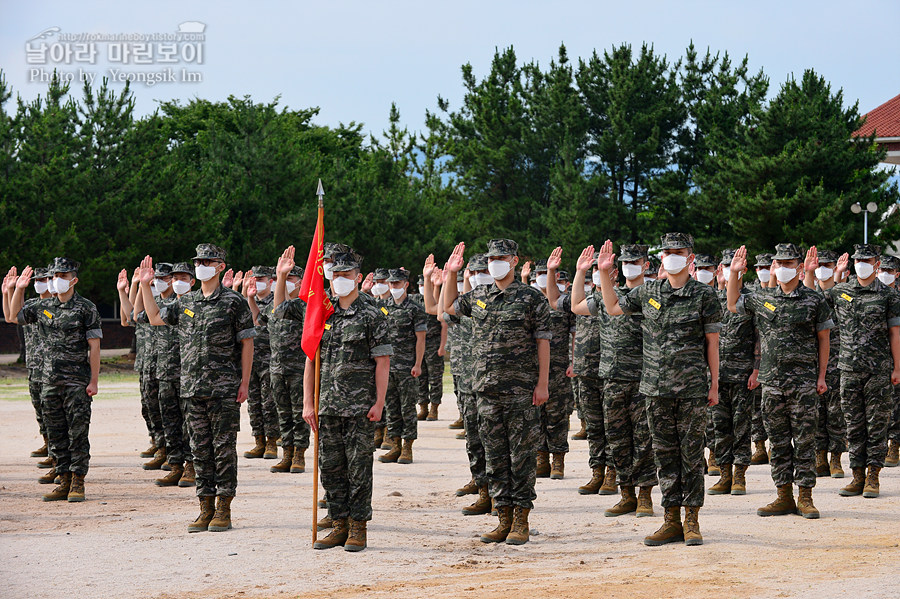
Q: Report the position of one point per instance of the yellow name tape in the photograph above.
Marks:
(846, 297)
(654, 303)
(385, 310)
(188, 312)
(481, 304)
(769, 306)
(48, 315)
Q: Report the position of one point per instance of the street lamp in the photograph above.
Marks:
(870, 207)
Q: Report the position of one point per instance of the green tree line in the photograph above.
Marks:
(624, 144)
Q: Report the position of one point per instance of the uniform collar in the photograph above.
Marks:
(351, 309)
(684, 291)
(795, 293)
(66, 305)
(875, 286)
(198, 294)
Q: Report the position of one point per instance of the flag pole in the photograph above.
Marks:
(320, 192)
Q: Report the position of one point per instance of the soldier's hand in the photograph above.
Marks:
(309, 416)
(368, 283)
(243, 392)
(540, 396)
(821, 387)
(455, 263)
(429, 266)
(843, 264)
(753, 381)
(9, 279)
(374, 414)
(25, 278)
(122, 283)
(662, 273)
(895, 377)
(136, 277)
(812, 259)
(91, 389)
(147, 270)
(238, 279)
(526, 271)
(555, 259)
(739, 261)
(720, 278)
(606, 259)
(466, 274)
(285, 262)
(441, 351)
(713, 398)
(437, 277)
(570, 372)
(416, 371)
(445, 273)
(228, 278)
(250, 287)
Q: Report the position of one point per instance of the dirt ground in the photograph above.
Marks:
(128, 539)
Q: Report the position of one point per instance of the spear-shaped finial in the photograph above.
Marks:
(320, 191)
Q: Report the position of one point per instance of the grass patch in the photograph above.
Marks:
(113, 385)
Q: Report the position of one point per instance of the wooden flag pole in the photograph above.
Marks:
(315, 509)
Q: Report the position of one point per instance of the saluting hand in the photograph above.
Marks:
(586, 259)
(147, 270)
(555, 259)
(285, 262)
(739, 261)
(25, 278)
(228, 278)
(250, 287)
(122, 283)
(368, 282)
(812, 259)
(843, 264)
(429, 266)
(606, 259)
(455, 263)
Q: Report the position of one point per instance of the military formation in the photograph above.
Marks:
(677, 364)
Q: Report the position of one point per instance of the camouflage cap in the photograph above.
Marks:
(727, 257)
(297, 271)
(63, 265)
(264, 271)
(460, 276)
(41, 272)
(183, 267)
(420, 280)
(398, 274)
(381, 274)
(763, 260)
(532, 277)
(864, 251)
(502, 247)
(332, 248)
(477, 262)
(676, 241)
(890, 262)
(630, 252)
(704, 260)
(827, 256)
(787, 251)
(162, 269)
(209, 251)
(540, 265)
(344, 261)
(562, 275)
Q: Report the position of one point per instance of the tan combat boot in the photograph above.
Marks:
(298, 462)
(158, 460)
(870, 489)
(386, 443)
(499, 534)
(150, 451)
(609, 482)
(356, 537)
(337, 536)
(470, 488)
(893, 454)
(482, 505)
(271, 449)
(518, 533)
(432, 412)
(189, 476)
(711, 468)
(593, 485)
(325, 523)
(834, 467)
(322, 503)
(46, 463)
(739, 481)
(423, 411)
(542, 468)
(784, 503)
(644, 503)
(692, 534)
(805, 505)
(671, 530)
(61, 492)
(48, 477)
(581, 435)
(76, 489)
(207, 511)
(856, 485)
(460, 435)
(456, 424)
(394, 453)
(723, 486)
(822, 468)
(222, 518)
(258, 450)
(41, 452)
(284, 465)
(626, 505)
(172, 478)
(379, 437)
(406, 456)
(760, 456)
(558, 467)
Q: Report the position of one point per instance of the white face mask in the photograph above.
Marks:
(541, 280)
(596, 278)
(705, 276)
(289, 286)
(380, 288)
(50, 286)
(674, 263)
(421, 289)
(181, 287)
(498, 268)
(886, 278)
(61, 285)
(204, 273)
(785, 274)
(823, 273)
(726, 272)
(535, 285)
(864, 270)
(764, 274)
(40, 287)
(260, 286)
(326, 267)
(482, 278)
(561, 287)
(587, 289)
(397, 293)
(161, 286)
(460, 286)
(632, 271)
(342, 286)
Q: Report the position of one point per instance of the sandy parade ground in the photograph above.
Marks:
(129, 538)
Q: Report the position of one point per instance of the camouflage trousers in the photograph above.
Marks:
(67, 417)
(628, 433)
(831, 426)
(214, 425)
(790, 418)
(431, 381)
(757, 428)
(150, 408)
(868, 405)
(261, 403)
(345, 463)
(400, 405)
(710, 432)
(555, 415)
(178, 447)
(894, 430)
(576, 395)
(34, 390)
(474, 446)
(677, 426)
(731, 420)
(510, 432)
(288, 392)
(591, 391)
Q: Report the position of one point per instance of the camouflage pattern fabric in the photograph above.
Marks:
(150, 411)
(404, 320)
(431, 383)
(865, 313)
(288, 392)
(789, 414)
(34, 391)
(555, 412)
(591, 391)
(474, 445)
(214, 423)
(285, 335)
(737, 344)
(622, 340)
(628, 433)
(400, 405)
(867, 402)
(894, 429)
(35, 350)
(261, 402)
(757, 428)
(677, 426)
(732, 418)
(178, 447)
(831, 425)
(67, 418)
(345, 463)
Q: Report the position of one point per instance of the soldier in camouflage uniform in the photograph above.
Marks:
(887, 274)
(705, 272)
(738, 377)
(869, 316)
(794, 325)
(381, 294)
(758, 434)
(682, 320)
(431, 382)
(70, 327)
(511, 343)
(145, 366)
(216, 358)
(261, 403)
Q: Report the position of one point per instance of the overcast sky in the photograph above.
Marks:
(352, 59)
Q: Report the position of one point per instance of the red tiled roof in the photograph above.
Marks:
(884, 120)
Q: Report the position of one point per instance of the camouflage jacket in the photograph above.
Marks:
(261, 345)
(35, 347)
(166, 353)
(622, 357)
(351, 341)
(675, 325)
(459, 340)
(506, 324)
(788, 325)
(404, 321)
(214, 328)
(865, 315)
(834, 352)
(562, 328)
(65, 328)
(143, 343)
(588, 339)
(433, 334)
(285, 324)
(737, 343)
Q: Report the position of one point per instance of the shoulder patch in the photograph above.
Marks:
(769, 306)
(481, 304)
(654, 303)
(189, 312)
(846, 297)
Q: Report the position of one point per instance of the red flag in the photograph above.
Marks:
(312, 291)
